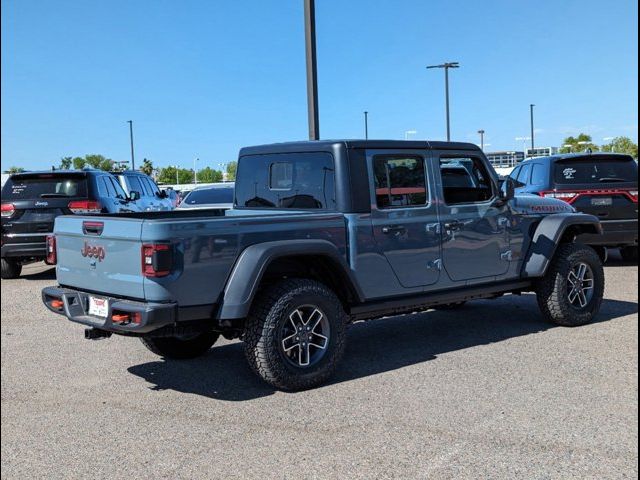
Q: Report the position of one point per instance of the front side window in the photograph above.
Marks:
(399, 181)
(465, 180)
(286, 180)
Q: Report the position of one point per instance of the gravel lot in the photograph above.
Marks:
(489, 391)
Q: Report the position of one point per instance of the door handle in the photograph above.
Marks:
(454, 225)
(397, 230)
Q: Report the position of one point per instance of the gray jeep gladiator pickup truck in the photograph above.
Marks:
(323, 234)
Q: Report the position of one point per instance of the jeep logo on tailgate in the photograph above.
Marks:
(93, 251)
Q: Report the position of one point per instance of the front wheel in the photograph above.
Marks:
(295, 334)
(570, 293)
(10, 268)
(181, 347)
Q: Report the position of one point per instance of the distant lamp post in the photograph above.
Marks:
(177, 178)
(524, 141)
(133, 161)
(481, 132)
(408, 133)
(532, 129)
(446, 66)
(195, 170)
(366, 125)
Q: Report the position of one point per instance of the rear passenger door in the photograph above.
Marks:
(475, 238)
(404, 215)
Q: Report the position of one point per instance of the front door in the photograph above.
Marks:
(475, 238)
(404, 215)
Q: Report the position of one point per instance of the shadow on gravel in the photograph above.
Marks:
(48, 274)
(375, 347)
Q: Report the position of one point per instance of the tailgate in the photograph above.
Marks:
(100, 254)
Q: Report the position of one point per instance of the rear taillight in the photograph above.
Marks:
(85, 206)
(565, 196)
(8, 210)
(633, 194)
(52, 254)
(157, 259)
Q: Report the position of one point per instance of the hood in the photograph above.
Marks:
(530, 204)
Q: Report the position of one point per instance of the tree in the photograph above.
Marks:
(232, 167)
(622, 145)
(78, 163)
(99, 162)
(65, 163)
(581, 143)
(147, 167)
(209, 175)
(15, 170)
(167, 175)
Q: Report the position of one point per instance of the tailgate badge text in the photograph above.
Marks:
(93, 252)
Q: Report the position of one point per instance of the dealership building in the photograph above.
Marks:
(507, 159)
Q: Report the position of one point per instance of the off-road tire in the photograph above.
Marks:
(629, 254)
(552, 289)
(10, 269)
(271, 308)
(181, 348)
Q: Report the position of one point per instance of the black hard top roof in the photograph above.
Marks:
(319, 145)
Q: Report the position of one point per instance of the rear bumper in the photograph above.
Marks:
(31, 249)
(75, 306)
(615, 233)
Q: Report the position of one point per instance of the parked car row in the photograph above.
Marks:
(32, 200)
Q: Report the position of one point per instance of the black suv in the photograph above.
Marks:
(31, 202)
(602, 184)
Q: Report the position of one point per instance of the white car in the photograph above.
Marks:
(218, 195)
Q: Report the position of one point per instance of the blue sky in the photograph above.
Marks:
(203, 78)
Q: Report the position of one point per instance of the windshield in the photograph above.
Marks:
(210, 195)
(600, 169)
(44, 186)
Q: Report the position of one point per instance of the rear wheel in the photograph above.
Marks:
(10, 268)
(570, 293)
(182, 347)
(295, 334)
(629, 254)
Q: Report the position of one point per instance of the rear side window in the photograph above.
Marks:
(539, 175)
(399, 181)
(44, 186)
(599, 169)
(286, 180)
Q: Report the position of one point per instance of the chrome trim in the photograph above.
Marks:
(38, 234)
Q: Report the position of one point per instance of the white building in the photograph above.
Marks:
(508, 159)
(540, 151)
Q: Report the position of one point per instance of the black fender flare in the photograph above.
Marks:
(547, 238)
(254, 260)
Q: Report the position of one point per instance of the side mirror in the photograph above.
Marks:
(133, 196)
(508, 189)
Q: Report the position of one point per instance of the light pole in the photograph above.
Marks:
(312, 68)
(133, 161)
(366, 125)
(195, 170)
(481, 132)
(446, 67)
(409, 132)
(532, 133)
(177, 178)
(609, 139)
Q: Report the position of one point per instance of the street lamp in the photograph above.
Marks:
(481, 132)
(195, 170)
(446, 67)
(524, 141)
(409, 132)
(177, 179)
(366, 125)
(133, 162)
(532, 132)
